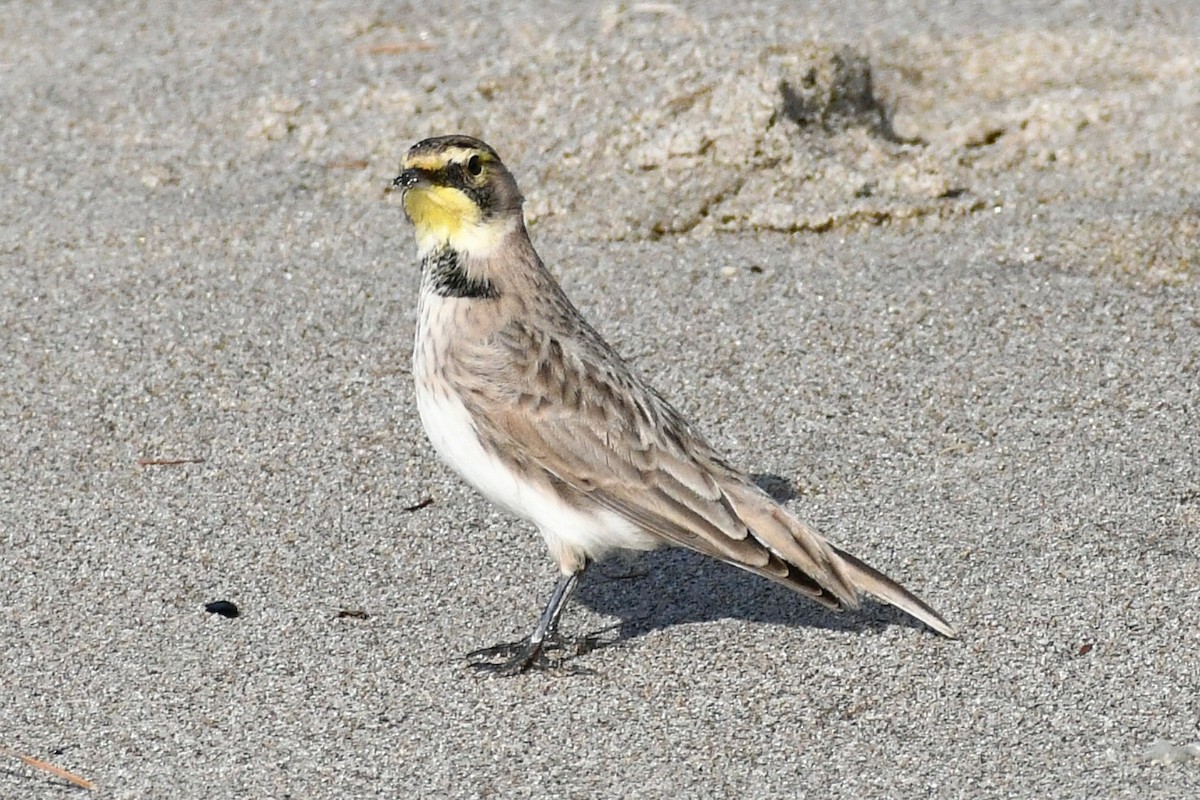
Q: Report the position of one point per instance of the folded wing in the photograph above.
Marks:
(602, 434)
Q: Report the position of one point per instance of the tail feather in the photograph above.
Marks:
(818, 569)
(870, 580)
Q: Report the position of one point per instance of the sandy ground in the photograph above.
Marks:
(930, 269)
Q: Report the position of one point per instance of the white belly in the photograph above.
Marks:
(571, 533)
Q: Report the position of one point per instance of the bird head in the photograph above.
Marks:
(458, 193)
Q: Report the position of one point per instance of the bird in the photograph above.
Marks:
(529, 404)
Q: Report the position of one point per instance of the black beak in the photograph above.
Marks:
(409, 178)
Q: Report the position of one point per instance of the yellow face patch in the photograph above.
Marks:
(443, 215)
(440, 212)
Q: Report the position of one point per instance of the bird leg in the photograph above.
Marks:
(530, 652)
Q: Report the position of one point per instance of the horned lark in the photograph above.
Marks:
(525, 400)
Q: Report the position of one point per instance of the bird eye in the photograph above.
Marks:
(474, 166)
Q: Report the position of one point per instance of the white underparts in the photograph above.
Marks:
(571, 533)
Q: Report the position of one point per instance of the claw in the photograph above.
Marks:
(510, 658)
(513, 658)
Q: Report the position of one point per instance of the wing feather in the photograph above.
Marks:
(576, 412)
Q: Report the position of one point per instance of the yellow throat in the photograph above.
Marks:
(444, 215)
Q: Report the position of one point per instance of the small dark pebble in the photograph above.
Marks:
(223, 607)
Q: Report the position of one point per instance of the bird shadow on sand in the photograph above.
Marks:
(670, 587)
(676, 587)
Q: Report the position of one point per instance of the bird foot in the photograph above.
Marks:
(513, 658)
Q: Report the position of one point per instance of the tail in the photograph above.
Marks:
(802, 560)
(870, 580)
